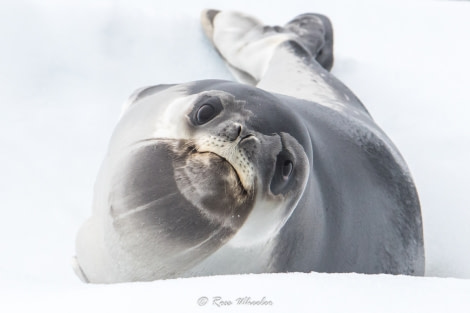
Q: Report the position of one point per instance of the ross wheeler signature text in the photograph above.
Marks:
(221, 302)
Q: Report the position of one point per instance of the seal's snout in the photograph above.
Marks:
(232, 131)
(237, 133)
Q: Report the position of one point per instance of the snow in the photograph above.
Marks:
(67, 67)
(292, 292)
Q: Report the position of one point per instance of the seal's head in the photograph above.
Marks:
(192, 165)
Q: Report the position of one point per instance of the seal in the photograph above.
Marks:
(288, 173)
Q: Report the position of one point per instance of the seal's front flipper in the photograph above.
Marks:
(243, 41)
(316, 35)
(248, 46)
(207, 21)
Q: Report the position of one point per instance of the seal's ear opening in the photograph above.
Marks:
(142, 93)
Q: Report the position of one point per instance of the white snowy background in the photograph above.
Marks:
(67, 66)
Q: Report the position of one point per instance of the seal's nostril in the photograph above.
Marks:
(245, 137)
(232, 132)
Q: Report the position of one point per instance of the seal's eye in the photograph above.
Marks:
(205, 109)
(205, 113)
(287, 169)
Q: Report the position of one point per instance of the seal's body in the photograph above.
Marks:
(217, 177)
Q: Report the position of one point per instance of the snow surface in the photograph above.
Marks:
(67, 66)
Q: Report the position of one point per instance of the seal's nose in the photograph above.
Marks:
(232, 131)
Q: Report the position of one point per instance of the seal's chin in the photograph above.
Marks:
(233, 171)
(211, 184)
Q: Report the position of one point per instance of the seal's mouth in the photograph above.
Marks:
(233, 170)
(238, 156)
